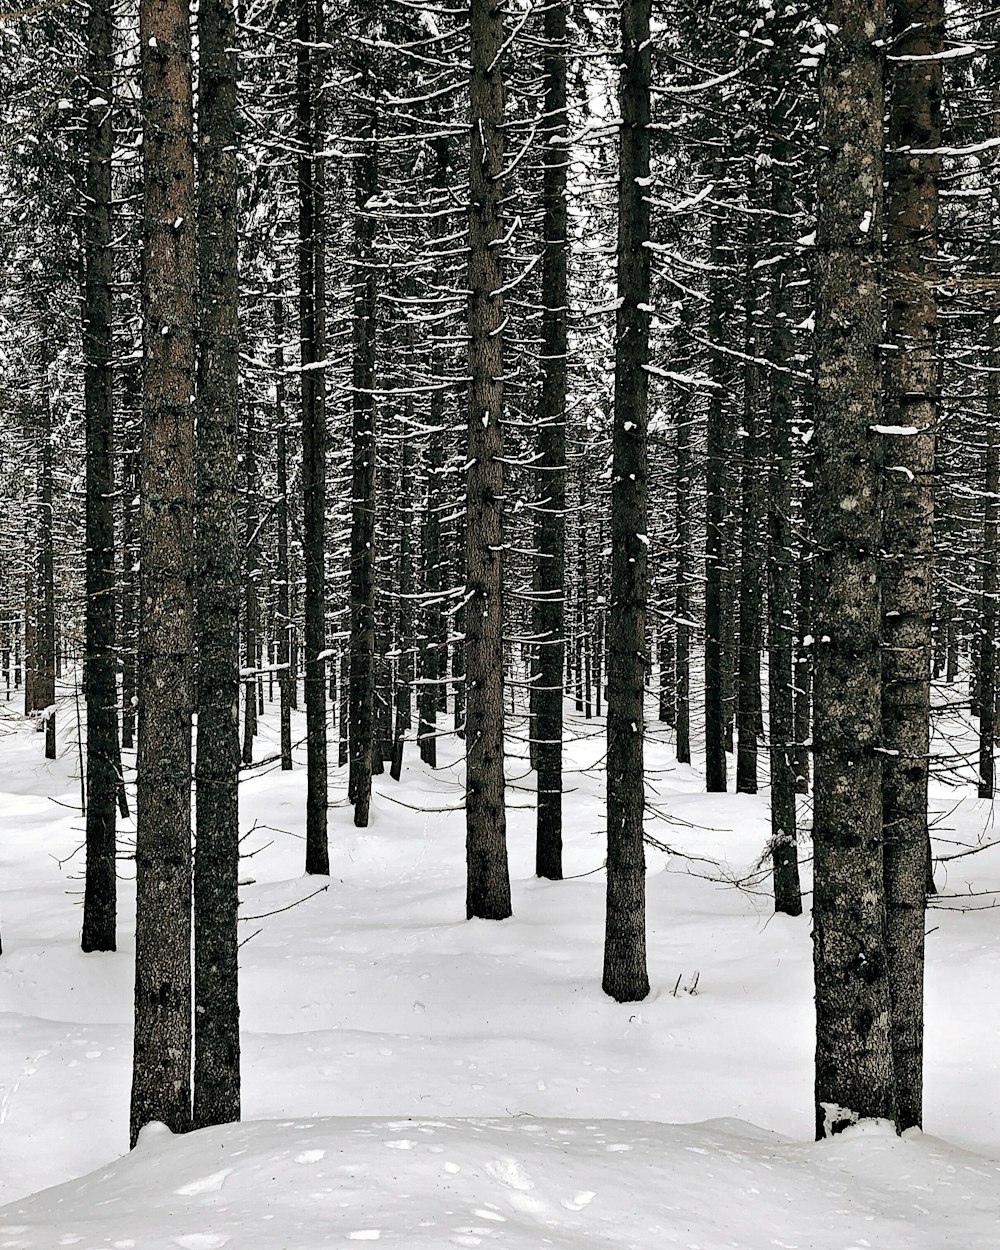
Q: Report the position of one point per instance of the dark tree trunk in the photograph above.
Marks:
(100, 683)
(251, 604)
(854, 1062)
(161, 1077)
(312, 358)
(45, 633)
(404, 673)
(549, 626)
(129, 595)
(362, 731)
(216, 1016)
(625, 977)
(780, 562)
(682, 555)
(488, 881)
(908, 523)
(285, 625)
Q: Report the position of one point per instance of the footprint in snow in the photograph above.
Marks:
(201, 1241)
(583, 1199)
(510, 1173)
(310, 1156)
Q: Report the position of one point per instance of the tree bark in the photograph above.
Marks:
(549, 625)
(854, 1062)
(488, 881)
(625, 977)
(161, 1078)
(285, 624)
(100, 682)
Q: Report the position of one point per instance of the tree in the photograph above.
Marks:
(488, 881)
(625, 977)
(216, 971)
(100, 687)
(161, 1077)
(854, 1062)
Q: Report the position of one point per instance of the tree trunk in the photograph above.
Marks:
(100, 681)
(625, 977)
(161, 1078)
(285, 624)
(488, 881)
(854, 1064)
(251, 604)
(549, 624)
(312, 358)
(45, 635)
(362, 732)
(216, 1016)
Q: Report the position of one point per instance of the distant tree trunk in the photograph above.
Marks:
(488, 881)
(991, 533)
(363, 733)
(780, 561)
(404, 675)
(908, 523)
(129, 596)
(432, 656)
(100, 682)
(750, 576)
(216, 1015)
(45, 636)
(312, 354)
(283, 611)
(251, 605)
(625, 977)
(161, 1078)
(854, 1060)
(718, 684)
(549, 624)
(683, 558)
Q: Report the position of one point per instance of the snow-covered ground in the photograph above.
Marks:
(418, 1079)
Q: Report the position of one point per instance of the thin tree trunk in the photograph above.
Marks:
(45, 692)
(550, 573)
(363, 731)
(625, 977)
(488, 881)
(100, 683)
(312, 353)
(854, 1061)
(251, 605)
(285, 624)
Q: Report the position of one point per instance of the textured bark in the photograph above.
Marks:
(751, 572)
(908, 523)
(682, 552)
(251, 604)
(987, 651)
(362, 730)
(781, 622)
(130, 593)
(161, 1078)
(216, 1016)
(854, 1064)
(488, 881)
(718, 610)
(549, 625)
(99, 680)
(45, 630)
(625, 977)
(284, 623)
(312, 353)
(404, 673)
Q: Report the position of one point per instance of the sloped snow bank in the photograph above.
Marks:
(426, 1184)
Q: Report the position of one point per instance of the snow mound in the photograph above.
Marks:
(519, 1184)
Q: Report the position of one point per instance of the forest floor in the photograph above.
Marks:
(417, 1079)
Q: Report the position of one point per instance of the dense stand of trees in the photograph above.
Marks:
(462, 372)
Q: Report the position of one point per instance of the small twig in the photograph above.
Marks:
(278, 910)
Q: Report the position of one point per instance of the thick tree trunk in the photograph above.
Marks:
(488, 881)
(549, 624)
(908, 523)
(100, 683)
(216, 1016)
(161, 1077)
(854, 1062)
(312, 358)
(625, 977)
